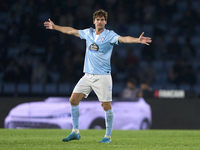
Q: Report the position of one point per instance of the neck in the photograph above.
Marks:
(99, 31)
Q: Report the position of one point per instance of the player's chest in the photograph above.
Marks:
(101, 44)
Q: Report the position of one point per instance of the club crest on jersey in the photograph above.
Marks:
(94, 47)
(102, 39)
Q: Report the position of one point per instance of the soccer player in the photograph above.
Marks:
(97, 77)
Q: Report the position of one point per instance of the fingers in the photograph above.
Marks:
(47, 25)
(146, 40)
(142, 34)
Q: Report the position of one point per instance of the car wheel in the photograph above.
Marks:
(145, 125)
(98, 123)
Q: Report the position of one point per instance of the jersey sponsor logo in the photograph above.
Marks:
(94, 47)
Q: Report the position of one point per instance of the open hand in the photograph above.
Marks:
(49, 24)
(144, 40)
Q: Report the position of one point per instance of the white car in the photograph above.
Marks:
(55, 112)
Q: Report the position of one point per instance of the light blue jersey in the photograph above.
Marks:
(98, 54)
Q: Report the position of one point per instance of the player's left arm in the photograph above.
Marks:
(129, 39)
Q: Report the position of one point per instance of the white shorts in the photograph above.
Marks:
(101, 84)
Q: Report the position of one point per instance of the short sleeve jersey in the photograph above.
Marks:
(98, 54)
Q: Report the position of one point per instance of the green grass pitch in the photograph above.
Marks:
(50, 139)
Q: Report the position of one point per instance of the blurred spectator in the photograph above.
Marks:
(12, 72)
(83, 14)
(3, 50)
(187, 76)
(136, 11)
(53, 74)
(26, 25)
(131, 91)
(144, 87)
(17, 9)
(118, 69)
(12, 18)
(67, 68)
(147, 73)
(188, 21)
(13, 33)
(25, 72)
(148, 11)
(67, 19)
(78, 63)
(110, 5)
(174, 72)
(122, 16)
(163, 11)
(181, 73)
(50, 56)
(39, 73)
(38, 34)
(188, 51)
(148, 52)
(4, 6)
(30, 7)
(131, 64)
(161, 48)
(56, 14)
(174, 48)
(131, 58)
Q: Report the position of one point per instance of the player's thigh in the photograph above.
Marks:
(103, 88)
(83, 86)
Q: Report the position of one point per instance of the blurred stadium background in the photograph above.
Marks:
(38, 62)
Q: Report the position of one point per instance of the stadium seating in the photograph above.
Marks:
(9, 88)
(23, 88)
(50, 89)
(37, 88)
(64, 88)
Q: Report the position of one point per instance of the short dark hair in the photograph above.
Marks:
(132, 80)
(145, 81)
(100, 13)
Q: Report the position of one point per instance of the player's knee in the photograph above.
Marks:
(73, 101)
(106, 105)
(76, 98)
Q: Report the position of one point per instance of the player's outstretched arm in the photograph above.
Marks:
(67, 30)
(129, 39)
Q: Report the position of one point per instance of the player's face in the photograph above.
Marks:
(100, 23)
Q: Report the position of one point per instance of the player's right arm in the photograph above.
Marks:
(67, 30)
